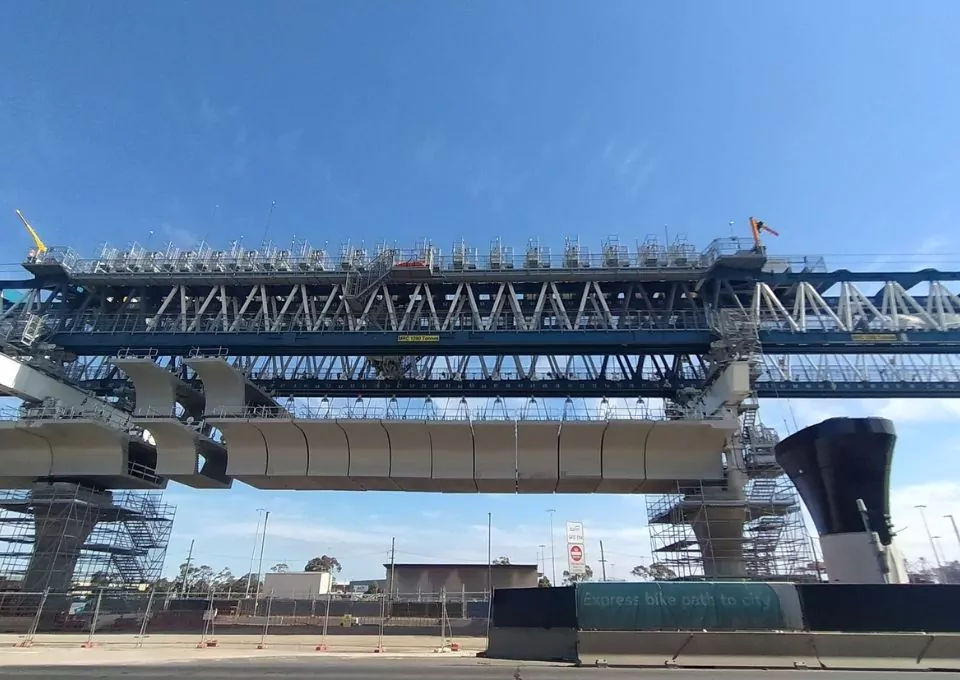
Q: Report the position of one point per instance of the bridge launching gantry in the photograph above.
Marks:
(214, 358)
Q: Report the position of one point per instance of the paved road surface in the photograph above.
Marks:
(406, 669)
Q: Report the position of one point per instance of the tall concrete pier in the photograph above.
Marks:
(835, 464)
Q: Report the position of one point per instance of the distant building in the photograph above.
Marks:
(413, 579)
(297, 584)
(363, 586)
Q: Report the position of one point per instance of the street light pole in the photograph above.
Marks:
(553, 550)
(490, 554)
(253, 552)
(263, 543)
(926, 528)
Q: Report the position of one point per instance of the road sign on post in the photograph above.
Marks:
(576, 557)
(575, 533)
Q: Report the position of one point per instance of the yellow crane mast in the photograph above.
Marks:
(39, 247)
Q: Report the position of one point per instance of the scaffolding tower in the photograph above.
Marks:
(63, 537)
(755, 531)
(766, 531)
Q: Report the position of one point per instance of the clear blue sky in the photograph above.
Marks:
(837, 122)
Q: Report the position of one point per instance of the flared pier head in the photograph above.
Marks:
(834, 464)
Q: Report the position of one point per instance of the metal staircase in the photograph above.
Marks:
(364, 277)
(129, 568)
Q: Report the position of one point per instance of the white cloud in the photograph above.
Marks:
(790, 415)
(919, 410)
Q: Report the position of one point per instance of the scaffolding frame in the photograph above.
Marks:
(756, 519)
(765, 530)
(104, 539)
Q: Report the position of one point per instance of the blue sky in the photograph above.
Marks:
(834, 121)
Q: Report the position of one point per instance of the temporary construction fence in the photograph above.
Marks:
(147, 612)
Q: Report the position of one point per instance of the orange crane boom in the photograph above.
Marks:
(757, 227)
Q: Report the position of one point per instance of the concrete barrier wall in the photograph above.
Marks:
(697, 649)
(532, 644)
(837, 651)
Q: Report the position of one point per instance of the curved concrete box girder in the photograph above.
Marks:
(495, 456)
(24, 455)
(176, 447)
(622, 459)
(369, 454)
(246, 452)
(224, 387)
(178, 455)
(580, 467)
(154, 388)
(411, 455)
(453, 456)
(328, 466)
(84, 447)
(457, 456)
(682, 451)
(287, 449)
(538, 456)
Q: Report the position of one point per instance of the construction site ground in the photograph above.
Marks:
(165, 663)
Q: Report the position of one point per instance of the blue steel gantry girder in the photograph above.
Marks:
(649, 323)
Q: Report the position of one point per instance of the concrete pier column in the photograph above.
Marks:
(718, 523)
(833, 464)
(64, 514)
(719, 532)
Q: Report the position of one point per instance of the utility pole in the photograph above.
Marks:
(553, 551)
(263, 543)
(253, 553)
(933, 546)
(490, 553)
(393, 564)
(186, 569)
(603, 563)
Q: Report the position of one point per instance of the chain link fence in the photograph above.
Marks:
(142, 614)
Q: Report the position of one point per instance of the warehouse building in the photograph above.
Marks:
(414, 579)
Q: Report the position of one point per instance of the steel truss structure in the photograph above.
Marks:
(583, 332)
(630, 324)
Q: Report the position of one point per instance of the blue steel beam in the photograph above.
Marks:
(598, 342)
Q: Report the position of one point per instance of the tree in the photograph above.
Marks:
(239, 584)
(543, 582)
(281, 568)
(655, 572)
(197, 579)
(223, 579)
(323, 563)
(501, 561)
(570, 579)
(372, 589)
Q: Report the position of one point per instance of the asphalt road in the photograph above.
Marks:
(405, 669)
